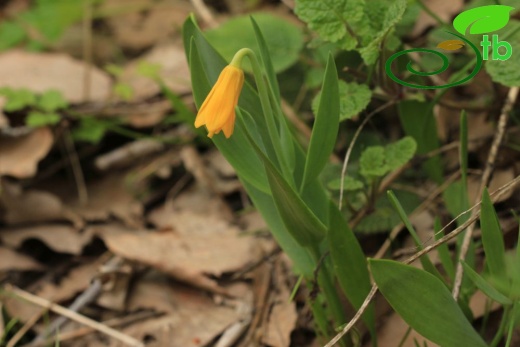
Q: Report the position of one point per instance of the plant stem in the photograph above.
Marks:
(267, 108)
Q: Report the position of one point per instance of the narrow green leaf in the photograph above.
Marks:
(425, 303)
(326, 125)
(266, 58)
(300, 221)
(492, 238)
(286, 138)
(463, 149)
(444, 252)
(485, 286)
(350, 264)
(419, 122)
(303, 262)
(425, 260)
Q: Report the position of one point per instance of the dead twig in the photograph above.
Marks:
(497, 140)
(36, 300)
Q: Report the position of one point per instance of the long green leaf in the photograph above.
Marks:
(350, 264)
(419, 122)
(425, 260)
(326, 125)
(485, 286)
(299, 220)
(286, 137)
(444, 252)
(425, 303)
(492, 238)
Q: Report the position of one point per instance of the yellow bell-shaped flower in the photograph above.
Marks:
(218, 110)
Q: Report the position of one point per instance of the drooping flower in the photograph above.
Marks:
(218, 110)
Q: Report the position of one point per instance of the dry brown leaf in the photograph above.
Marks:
(77, 280)
(60, 238)
(32, 206)
(446, 10)
(147, 22)
(40, 72)
(174, 72)
(108, 196)
(19, 156)
(197, 246)
(394, 329)
(192, 319)
(13, 261)
(499, 178)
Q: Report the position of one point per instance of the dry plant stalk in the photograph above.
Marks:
(38, 301)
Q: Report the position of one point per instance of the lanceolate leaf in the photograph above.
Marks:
(492, 238)
(425, 303)
(483, 19)
(299, 220)
(326, 125)
(485, 286)
(349, 264)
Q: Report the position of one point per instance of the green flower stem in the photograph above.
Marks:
(267, 108)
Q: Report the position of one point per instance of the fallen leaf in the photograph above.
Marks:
(499, 178)
(195, 247)
(32, 206)
(14, 261)
(108, 196)
(192, 318)
(40, 72)
(77, 280)
(173, 71)
(60, 238)
(19, 156)
(145, 23)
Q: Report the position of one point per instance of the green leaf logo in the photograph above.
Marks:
(483, 19)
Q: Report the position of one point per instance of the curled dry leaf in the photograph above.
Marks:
(192, 318)
(173, 71)
(19, 156)
(142, 24)
(77, 280)
(13, 261)
(40, 72)
(32, 206)
(58, 237)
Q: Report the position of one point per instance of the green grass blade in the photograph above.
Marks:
(299, 220)
(425, 260)
(326, 125)
(492, 239)
(485, 286)
(350, 264)
(424, 302)
(444, 252)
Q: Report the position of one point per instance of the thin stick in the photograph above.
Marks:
(497, 140)
(36, 300)
(28, 325)
(351, 146)
(76, 167)
(87, 330)
(203, 11)
(494, 197)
